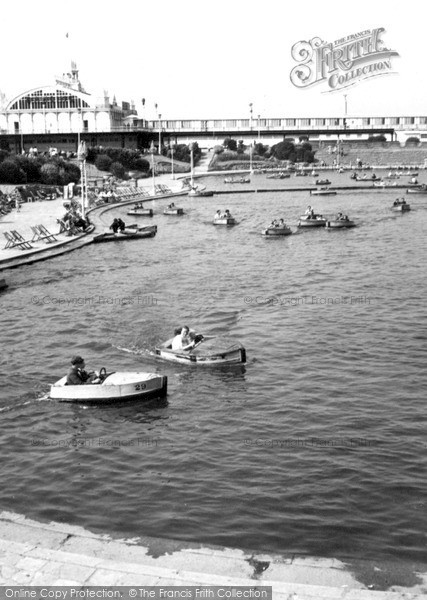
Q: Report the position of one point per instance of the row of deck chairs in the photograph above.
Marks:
(37, 195)
(162, 189)
(130, 193)
(15, 240)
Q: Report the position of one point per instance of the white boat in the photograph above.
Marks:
(141, 212)
(343, 223)
(323, 192)
(311, 221)
(208, 352)
(323, 182)
(401, 206)
(115, 387)
(417, 190)
(225, 221)
(277, 231)
(173, 211)
(239, 180)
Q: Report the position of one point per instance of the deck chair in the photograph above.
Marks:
(41, 233)
(15, 239)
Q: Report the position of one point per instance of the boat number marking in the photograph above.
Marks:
(140, 386)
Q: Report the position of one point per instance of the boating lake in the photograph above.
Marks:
(316, 446)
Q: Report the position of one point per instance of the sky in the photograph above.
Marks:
(212, 59)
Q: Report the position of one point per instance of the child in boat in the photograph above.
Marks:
(77, 374)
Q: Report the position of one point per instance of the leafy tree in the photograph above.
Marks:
(118, 170)
(103, 162)
(49, 173)
(260, 149)
(283, 150)
(240, 147)
(230, 144)
(11, 173)
(30, 166)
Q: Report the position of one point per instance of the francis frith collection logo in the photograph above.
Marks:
(342, 63)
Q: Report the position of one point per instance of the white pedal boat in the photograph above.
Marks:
(116, 387)
(277, 231)
(209, 352)
(225, 221)
(141, 212)
(311, 221)
(173, 211)
(340, 224)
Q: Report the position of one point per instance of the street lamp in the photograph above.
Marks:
(250, 110)
(259, 127)
(172, 144)
(152, 150)
(160, 133)
(250, 158)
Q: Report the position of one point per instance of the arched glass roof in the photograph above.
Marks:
(52, 98)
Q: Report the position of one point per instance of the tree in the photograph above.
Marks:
(230, 144)
(118, 170)
(103, 162)
(283, 150)
(49, 173)
(240, 147)
(11, 173)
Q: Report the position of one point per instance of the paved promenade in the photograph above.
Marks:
(55, 554)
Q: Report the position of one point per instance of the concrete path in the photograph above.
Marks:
(41, 554)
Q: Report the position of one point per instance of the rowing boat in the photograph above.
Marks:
(208, 352)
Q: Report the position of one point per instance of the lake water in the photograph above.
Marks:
(316, 446)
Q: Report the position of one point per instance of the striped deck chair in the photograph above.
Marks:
(15, 239)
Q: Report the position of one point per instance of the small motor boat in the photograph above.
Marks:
(311, 221)
(129, 233)
(323, 182)
(200, 192)
(141, 212)
(277, 231)
(225, 221)
(342, 223)
(114, 387)
(323, 192)
(173, 211)
(401, 206)
(209, 352)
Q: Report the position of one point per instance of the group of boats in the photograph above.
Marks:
(124, 386)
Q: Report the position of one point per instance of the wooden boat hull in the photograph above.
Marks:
(231, 221)
(323, 193)
(401, 208)
(173, 211)
(212, 352)
(340, 224)
(323, 182)
(416, 191)
(129, 234)
(277, 231)
(201, 193)
(242, 180)
(117, 387)
(142, 212)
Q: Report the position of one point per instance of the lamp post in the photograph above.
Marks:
(160, 133)
(259, 127)
(250, 110)
(152, 150)
(172, 144)
(81, 155)
(192, 166)
(250, 158)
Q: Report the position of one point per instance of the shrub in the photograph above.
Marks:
(118, 170)
(413, 140)
(11, 173)
(103, 162)
(49, 173)
(230, 144)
